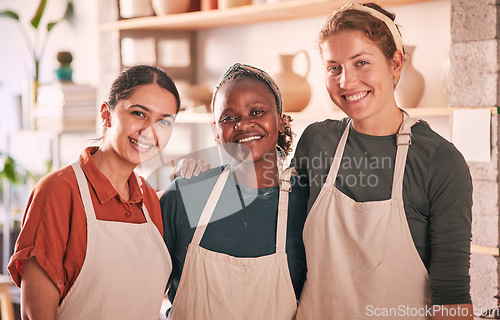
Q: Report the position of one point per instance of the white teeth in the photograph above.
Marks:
(248, 139)
(356, 96)
(140, 145)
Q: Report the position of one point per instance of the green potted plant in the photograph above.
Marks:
(10, 170)
(35, 46)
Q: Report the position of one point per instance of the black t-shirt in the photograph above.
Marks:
(437, 193)
(243, 223)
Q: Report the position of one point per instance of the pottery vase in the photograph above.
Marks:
(411, 85)
(164, 7)
(295, 90)
(227, 4)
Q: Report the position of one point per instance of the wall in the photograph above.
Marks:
(474, 83)
(79, 37)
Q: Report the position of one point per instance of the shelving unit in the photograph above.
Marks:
(258, 13)
(114, 29)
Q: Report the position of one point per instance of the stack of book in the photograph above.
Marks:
(65, 107)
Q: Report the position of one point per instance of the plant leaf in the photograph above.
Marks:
(9, 14)
(51, 25)
(68, 14)
(9, 169)
(70, 11)
(38, 14)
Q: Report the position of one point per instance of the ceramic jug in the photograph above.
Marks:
(411, 85)
(295, 89)
(163, 7)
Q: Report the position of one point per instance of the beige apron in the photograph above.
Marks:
(125, 271)
(222, 287)
(361, 259)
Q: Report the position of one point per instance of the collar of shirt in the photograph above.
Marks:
(100, 183)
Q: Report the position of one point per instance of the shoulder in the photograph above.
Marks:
(429, 144)
(300, 187)
(319, 134)
(422, 134)
(437, 159)
(328, 126)
(57, 185)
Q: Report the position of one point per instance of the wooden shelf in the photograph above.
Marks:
(276, 11)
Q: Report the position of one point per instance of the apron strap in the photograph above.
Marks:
(403, 141)
(209, 208)
(144, 209)
(285, 187)
(337, 158)
(84, 190)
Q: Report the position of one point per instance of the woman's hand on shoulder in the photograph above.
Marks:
(188, 168)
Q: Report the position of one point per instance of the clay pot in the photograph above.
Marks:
(295, 89)
(411, 85)
(163, 7)
(227, 4)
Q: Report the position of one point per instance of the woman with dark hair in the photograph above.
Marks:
(91, 243)
(235, 232)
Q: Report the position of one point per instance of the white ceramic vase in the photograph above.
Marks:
(163, 7)
(411, 85)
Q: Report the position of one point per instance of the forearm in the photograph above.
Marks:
(453, 312)
(39, 295)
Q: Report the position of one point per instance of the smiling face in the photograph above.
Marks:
(359, 78)
(139, 127)
(247, 120)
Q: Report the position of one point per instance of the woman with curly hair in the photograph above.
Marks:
(235, 232)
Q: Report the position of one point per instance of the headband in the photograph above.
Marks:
(379, 15)
(238, 69)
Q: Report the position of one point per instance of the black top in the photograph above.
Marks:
(437, 193)
(242, 225)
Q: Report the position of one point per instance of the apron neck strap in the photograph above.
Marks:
(285, 187)
(403, 141)
(337, 158)
(282, 222)
(141, 186)
(209, 208)
(84, 190)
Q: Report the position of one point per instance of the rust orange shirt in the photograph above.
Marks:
(54, 226)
